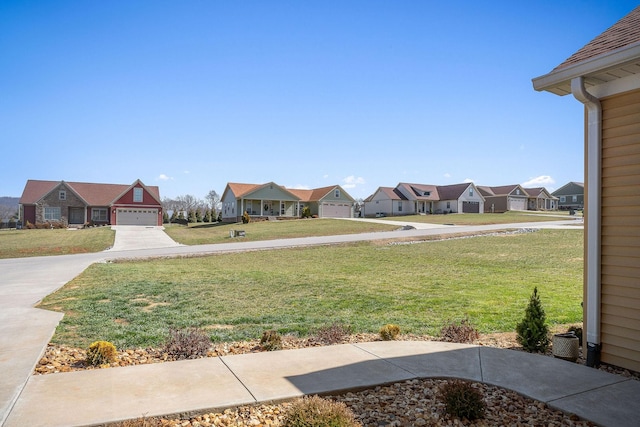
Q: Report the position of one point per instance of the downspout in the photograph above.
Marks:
(593, 255)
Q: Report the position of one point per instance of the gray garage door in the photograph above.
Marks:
(471, 207)
(137, 216)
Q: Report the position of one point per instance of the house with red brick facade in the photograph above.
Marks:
(79, 203)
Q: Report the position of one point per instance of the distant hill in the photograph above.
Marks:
(8, 207)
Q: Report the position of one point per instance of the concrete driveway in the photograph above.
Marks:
(132, 237)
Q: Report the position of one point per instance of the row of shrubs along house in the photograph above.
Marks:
(412, 199)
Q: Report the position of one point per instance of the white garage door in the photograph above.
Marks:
(137, 216)
(517, 204)
(336, 210)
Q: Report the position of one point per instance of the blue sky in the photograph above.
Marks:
(191, 95)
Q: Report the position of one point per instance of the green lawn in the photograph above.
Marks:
(238, 296)
(486, 218)
(198, 234)
(28, 243)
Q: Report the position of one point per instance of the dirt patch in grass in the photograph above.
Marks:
(151, 306)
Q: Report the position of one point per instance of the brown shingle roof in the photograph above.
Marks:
(419, 190)
(623, 33)
(499, 191)
(452, 192)
(240, 190)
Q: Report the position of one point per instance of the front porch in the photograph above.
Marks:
(260, 208)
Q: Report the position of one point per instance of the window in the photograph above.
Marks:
(337, 194)
(51, 214)
(99, 214)
(518, 191)
(448, 205)
(574, 198)
(137, 195)
(399, 206)
(62, 195)
(470, 191)
(563, 199)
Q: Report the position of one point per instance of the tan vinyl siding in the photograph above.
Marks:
(620, 275)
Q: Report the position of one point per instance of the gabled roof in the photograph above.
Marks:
(94, 194)
(420, 191)
(452, 192)
(612, 55)
(317, 194)
(417, 191)
(539, 192)
(569, 184)
(391, 192)
(502, 190)
(241, 190)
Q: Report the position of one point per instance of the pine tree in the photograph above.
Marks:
(532, 331)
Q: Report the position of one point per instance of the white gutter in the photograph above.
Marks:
(593, 183)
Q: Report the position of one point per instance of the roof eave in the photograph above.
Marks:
(559, 81)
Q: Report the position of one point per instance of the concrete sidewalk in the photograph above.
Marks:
(115, 394)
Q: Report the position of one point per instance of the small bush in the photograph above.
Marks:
(271, 340)
(189, 343)
(246, 219)
(334, 333)
(461, 399)
(315, 411)
(389, 332)
(306, 212)
(459, 332)
(101, 353)
(533, 333)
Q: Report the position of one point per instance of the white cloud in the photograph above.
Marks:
(539, 181)
(298, 187)
(325, 176)
(469, 180)
(447, 175)
(351, 181)
(163, 177)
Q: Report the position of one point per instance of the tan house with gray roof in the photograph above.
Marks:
(605, 77)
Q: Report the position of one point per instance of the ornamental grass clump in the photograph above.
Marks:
(315, 411)
(389, 332)
(189, 343)
(101, 353)
(533, 333)
(461, 399)
(271, 340)
(462, 332)
(333, 334)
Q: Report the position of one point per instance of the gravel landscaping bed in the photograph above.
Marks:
(409, 403)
